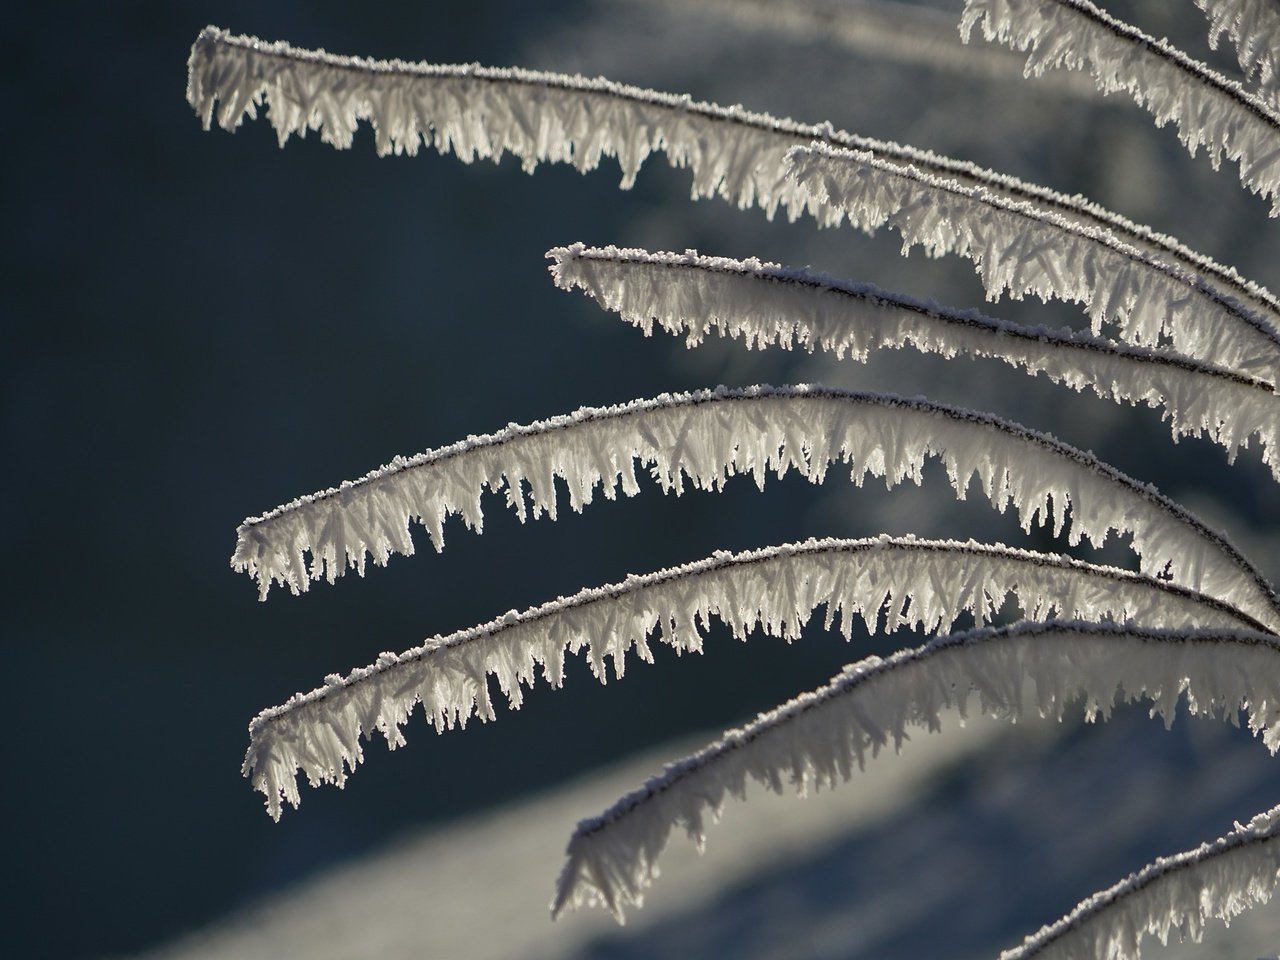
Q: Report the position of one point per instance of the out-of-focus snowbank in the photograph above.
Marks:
(963, 843)
(479, 888)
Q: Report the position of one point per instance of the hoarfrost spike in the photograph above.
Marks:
(764, 303)
(1209, 110)
(819, 739)
(1021, 249)
(912, 583)
(1216, 880)
(483, 113)
(1038, 241)
(708, 437)
(1254, 29)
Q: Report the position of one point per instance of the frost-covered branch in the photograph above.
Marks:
(708, 437)
(1217, 880)
(1208, 109)
(482, 112)
(1254, 29)
(913, 583)
(1022, 249)
(764, 303)
(818, 739)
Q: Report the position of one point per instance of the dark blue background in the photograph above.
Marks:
(200, 326)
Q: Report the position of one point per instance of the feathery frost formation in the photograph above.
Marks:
(764, 303)
(480, 112)
(483, 113)
(709, 436)
(1174, 894)
(819, 738)
(1254, 29)
(912, 583)
(1021, 249)
(1206, 598)
(1208, 109)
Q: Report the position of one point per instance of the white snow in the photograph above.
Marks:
(764, 303)
(434, 893)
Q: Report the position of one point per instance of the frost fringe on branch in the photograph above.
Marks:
(1174, 894)
(1020, 249)
(1254, 29)
(1025, 239)
(709, 436)
(482, 112)
(912, 583)
(818, 739)
(764, 303)
(1208, 109)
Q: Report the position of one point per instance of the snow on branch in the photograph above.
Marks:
(923, 583)
(1174, 894)
(1254, 29)
(1022, 249)
(818, 739)
(709, 436)
(1208, 109)
(482, 112)
(764, 303)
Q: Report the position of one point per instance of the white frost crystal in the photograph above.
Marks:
(912, 583)
(1020, 249)
(1209, 110)
(1174, 894)
(704, 438)
(764, 303)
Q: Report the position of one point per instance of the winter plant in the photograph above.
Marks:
(1197, 623)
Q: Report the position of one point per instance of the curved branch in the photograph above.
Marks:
(710, 436)
(924, 37)
(915, 583)
(1021, 249)
(482, 112)
(1254, 29)
(1178, 893)
(1208, 109)
(764, 303)
(818, 739)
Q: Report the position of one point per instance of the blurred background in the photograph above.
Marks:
(203, 326)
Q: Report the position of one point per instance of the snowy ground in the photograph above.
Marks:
(952, 848)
